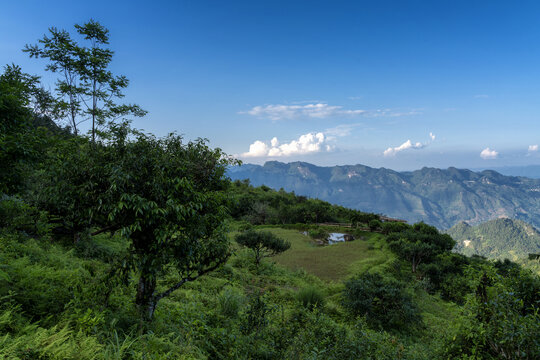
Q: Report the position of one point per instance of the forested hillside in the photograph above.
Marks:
(497, 239)
(117, 244)
(436, 196)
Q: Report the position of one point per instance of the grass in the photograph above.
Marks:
(334, 262)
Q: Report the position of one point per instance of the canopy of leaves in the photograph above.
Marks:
(382, 301)
(419, 244)
(263, 243)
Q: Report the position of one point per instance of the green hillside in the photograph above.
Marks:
(497, 239)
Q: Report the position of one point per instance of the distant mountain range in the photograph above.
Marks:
(530, 171)
(436, 196)
(497, 239)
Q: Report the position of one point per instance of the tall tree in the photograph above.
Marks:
(86, 88)
(165, 196)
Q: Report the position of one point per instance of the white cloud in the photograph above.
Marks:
(317, 110)
(306, 144)
(533, 148)
(481, 96)
(258, 148)
(391, 151)
(487, 153)
(341, 130)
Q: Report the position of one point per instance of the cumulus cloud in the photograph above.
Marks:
(533, 148)
(317, 110)
(487, 153)
(391, 151)
(306, 144)
(406, 145)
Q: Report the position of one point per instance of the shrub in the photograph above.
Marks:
(382, 301)
(256, 314)
(318, 233)
(230, 302)
(16, 215)
(310, 297)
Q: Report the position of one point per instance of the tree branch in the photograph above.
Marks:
(185, 280)
(106, 228)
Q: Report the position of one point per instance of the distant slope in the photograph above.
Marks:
(497, 239)
(438, 197)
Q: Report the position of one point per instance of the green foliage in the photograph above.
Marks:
(310, 297)
(17, 215)
(263, 205)
(85, 88)
(393, 227)
(21, 143)
(420, 244)
(497, 239)
(374, 225)
(163, 195)
(363, 218)
(493, 325)
(383, 302)
(318, 233)
(230, 301)
(256, 317)
(262, 243)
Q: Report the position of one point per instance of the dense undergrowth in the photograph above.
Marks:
(59, 301)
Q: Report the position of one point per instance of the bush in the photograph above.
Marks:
(382, 301)
(310, 297)
(318, 233)
(230, 302)
(16, 215)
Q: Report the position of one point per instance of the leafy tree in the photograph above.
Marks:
(362, 218)
(390, 227)
(374, 225)
(165, 196)
(21, 145)
(382, 301)
(420, 244)
(494, 324)
(263, 243)
(86, 88)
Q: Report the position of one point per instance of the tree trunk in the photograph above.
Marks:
(145, 296)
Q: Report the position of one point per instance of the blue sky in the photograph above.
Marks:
(399, 84)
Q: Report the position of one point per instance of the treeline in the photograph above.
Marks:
(263, 205)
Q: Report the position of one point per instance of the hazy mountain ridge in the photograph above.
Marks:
(441, 197)
(498, 239)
